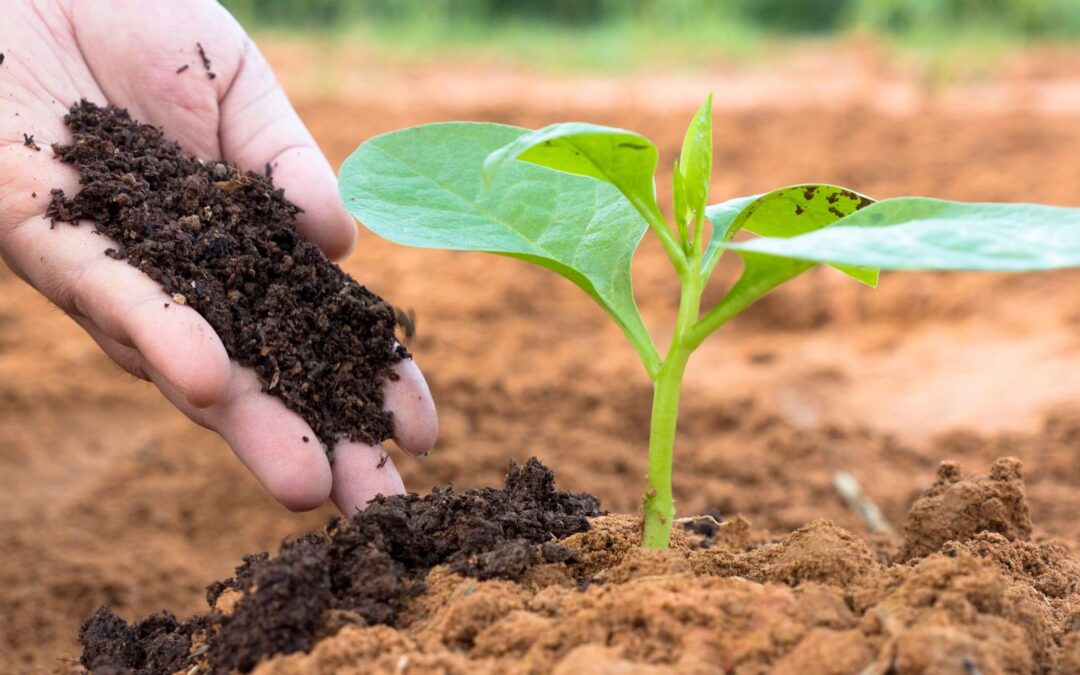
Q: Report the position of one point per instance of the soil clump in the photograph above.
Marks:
(363, 571)
(224, 241)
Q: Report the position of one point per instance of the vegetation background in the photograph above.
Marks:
(615, 34)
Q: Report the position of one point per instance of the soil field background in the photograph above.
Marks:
(111, 496)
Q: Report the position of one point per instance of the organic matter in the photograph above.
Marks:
(224, 242)
(577, 198)
(363, 570)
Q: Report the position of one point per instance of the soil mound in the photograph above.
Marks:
(225, 242)
(364, 571)
(956, 509)
(475, 583)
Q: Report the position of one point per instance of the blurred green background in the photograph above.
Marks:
(620, 33)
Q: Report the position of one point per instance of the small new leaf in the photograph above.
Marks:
(695, 161)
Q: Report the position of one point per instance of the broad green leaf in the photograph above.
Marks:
(914, 233)
(786, 212)
(695, 161)
(423, 187)
(623, 158)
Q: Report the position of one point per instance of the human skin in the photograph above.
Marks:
(126, 53)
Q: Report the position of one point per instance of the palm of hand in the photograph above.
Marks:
(127, 53)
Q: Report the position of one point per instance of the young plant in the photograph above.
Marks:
(577, 199)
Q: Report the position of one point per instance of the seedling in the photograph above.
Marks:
(577, 199)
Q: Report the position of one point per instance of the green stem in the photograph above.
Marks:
(659, 504)
(731, 305)
(699, 233)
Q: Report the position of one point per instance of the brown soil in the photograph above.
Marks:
(968, 592)
(225, 242)
(363, 570)
(112, 497)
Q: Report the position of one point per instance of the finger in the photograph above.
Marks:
(267, 438)
(240, 115)
(68, 264)
(129, 359)
(263, 436)
(259, 127)
(416, 423)
(274, 443)
(360, 473)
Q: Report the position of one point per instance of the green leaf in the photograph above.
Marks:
(726, 224)
(782, 213)
(423, 187)
(914, 233)
(623, 158)
(695, 161)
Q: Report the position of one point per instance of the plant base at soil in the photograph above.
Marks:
(966, 591)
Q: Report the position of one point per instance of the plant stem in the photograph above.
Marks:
(659, 504)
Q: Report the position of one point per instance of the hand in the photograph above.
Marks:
(127, 52)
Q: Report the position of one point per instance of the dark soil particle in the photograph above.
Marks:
(225, 242)
(363, 570)
(182, 68)
(205, 61)
(28, 141)
(285, 611)
(1, 58)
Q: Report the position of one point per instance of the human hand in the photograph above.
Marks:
(127, 52)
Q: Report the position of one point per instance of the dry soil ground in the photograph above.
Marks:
(110, 496)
